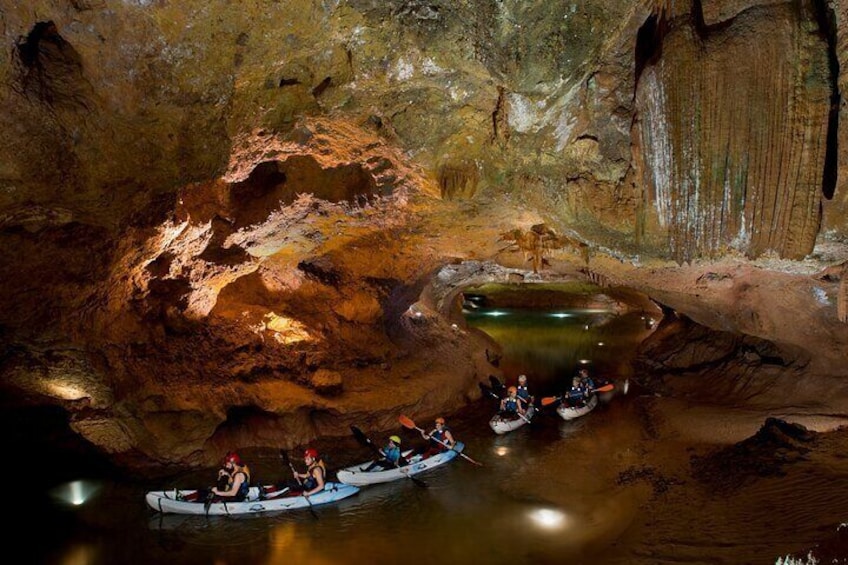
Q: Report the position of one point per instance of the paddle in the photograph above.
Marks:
(366, 441)
(408, 423)
(548, 400)
(285, 457)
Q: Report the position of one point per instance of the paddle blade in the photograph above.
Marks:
(360, 435)
(548, 400)
(496, 384)
(605, 388)
(407, 422)
(487, 390)
(364, 439)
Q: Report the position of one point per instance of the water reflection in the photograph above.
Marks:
(525, 504)
(550, 345)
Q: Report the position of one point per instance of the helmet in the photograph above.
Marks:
(311, 452)
(522, 378)
(395, 439)
(440, 420)
(232, 456)
(512, 390)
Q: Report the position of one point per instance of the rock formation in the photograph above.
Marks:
(250, 225)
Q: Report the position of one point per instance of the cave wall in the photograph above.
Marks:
(734, 113)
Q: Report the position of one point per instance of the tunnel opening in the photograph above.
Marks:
(549, 331)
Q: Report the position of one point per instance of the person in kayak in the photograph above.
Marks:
(524, 392)
(440, 438)
(510, 404)
(582, 388)
(312, 481)
(391, 456)
(233, 479)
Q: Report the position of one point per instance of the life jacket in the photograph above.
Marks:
(392, 454)
(510, 404)
(310, 482)
(523, 392)
(439, 436)
(576, 394)
(241, 493)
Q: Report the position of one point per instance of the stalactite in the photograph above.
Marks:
(733, 126)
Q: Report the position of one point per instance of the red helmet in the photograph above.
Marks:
(232, 456)
(512, 390)
(440, 421)
(311, 452)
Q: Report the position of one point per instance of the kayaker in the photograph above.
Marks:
(586, 381)
(391, 455)
(576, 395)
(440, 439)
(312, 481)
(524, 392)
(510, 405)
(235, 476)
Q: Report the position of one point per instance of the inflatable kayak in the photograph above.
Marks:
(571, 412)
(357, 475)
(267, 499)
(504, 424)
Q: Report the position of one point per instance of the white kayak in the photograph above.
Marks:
(357, 475)
(266, 500)
(504, 424)
(571, 412)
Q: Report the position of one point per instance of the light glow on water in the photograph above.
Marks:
(548, 519)
(76, 493)
(496, 313)
(502, 451)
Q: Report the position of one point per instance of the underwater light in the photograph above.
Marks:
(496, 313)
(547, 518)
(75, 492)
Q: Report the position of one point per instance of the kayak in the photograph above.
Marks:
(357, 475)
(571, 412)
(267, 499)
(505, 424)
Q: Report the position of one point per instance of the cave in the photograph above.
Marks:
(255, 229)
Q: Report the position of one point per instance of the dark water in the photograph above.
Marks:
(466, 514)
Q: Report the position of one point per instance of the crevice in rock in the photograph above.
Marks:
(288, 82)
(322, 86)
(649, 44)
(51, 69)
(500, 118)
(828, 29)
